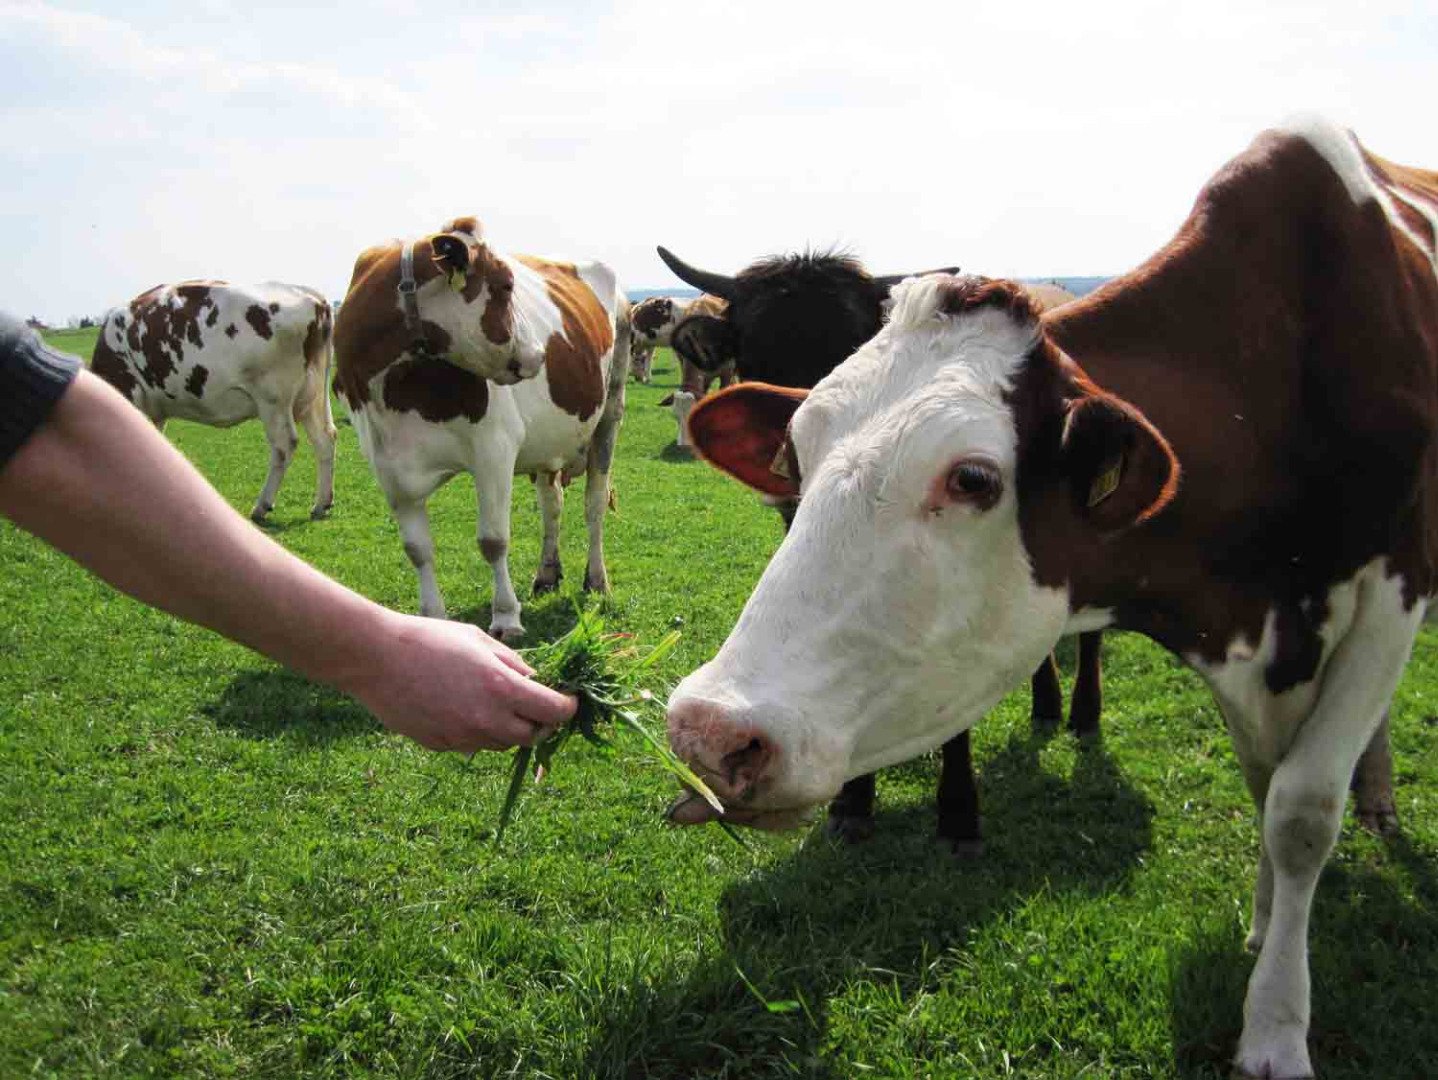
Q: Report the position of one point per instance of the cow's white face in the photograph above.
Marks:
(902, 604)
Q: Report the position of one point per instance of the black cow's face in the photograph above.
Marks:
(792, 319)
(794, 326)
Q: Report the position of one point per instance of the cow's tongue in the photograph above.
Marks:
(690, 809)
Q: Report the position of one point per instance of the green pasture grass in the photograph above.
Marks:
(210, 868)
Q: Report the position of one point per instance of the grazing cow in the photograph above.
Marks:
(793, 319)
(698, 367)
(476, 361)
(654, 320)
(1230, 449)
(219, 354)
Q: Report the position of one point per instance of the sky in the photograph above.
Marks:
(147, 142)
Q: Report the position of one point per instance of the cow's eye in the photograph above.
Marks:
(974, 481)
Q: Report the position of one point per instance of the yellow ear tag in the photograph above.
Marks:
(1106, 483)
(457, 280)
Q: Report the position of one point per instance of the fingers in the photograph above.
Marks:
(511, 659)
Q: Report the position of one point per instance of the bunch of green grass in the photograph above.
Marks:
(606, 671)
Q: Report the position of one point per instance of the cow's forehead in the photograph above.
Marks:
(925, 368)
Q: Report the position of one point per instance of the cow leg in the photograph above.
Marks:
(319, 429)
(958, 800)
(494, 486)
(596, 484)
(550, 493)
(1300, 818)
(413, 519)
(1087, 702)
(283, 438)
(851, 814)
(1047, 709)
(1373, 802)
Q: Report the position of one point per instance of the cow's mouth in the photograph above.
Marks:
(691, 808)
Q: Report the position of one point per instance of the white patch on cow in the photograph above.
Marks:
(882, 628)
(1429, 213)
(1341, 150)
(1087, 620)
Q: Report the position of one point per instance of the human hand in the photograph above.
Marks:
(450, 686)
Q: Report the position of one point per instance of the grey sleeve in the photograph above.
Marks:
(33, 376)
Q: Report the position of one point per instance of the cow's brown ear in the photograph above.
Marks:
(744, 429)
(1121, 469)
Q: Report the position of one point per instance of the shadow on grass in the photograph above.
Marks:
(278, 704)
(831, 918)
(1373, 948)
(544, 617)
(675, 452)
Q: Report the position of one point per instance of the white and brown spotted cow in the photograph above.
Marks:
(655, 320)
(1232, 449)
(552, 339)
(701, 361)
(220, 354)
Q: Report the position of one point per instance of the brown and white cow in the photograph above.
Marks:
(654, 321)
(553, 339)
(219, 354)
(1230, 449)
(699, 365)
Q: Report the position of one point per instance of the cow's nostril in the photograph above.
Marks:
(514, 368)
(743, 766)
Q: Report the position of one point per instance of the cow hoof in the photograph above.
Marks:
(544, 585)
(964, 850)
(1278, 1053)
(259, 513)
(596, 583)
(1045, 725)
(319, 513)
(849, 828)
(1379, 820)
(508, 635)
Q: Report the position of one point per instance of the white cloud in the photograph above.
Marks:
(1052, 138)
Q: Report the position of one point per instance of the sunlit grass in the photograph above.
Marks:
(210, 868)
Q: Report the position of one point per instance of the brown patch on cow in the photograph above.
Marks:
(712, 306)
(232, 331)
(370, 332)
(110, 366)
(437, 390)
(214, 315)
(497, 321)
(195, 384)
(468, 223)
(1285, 344)
(573, 357)
(162, 321)
(259, 320)
(962, 294)
(317, 335)
(651, 314)
(274, 308)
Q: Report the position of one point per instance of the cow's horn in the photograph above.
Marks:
(716, 284)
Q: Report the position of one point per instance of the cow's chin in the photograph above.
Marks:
(692, 809)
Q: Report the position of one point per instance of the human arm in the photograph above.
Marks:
(98, 482)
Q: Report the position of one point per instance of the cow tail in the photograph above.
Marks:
(319, 365)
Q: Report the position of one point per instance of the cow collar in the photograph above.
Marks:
(409, 303)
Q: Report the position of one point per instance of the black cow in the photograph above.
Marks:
(791, 320)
